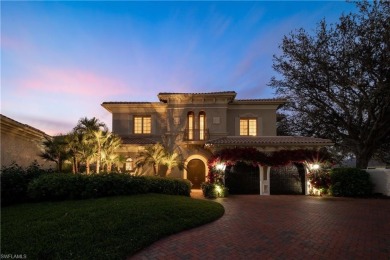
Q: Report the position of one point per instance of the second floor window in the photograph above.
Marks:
(190, 125)
(142, 125)
(202, 125)
(248, 126)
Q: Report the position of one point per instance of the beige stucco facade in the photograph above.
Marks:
(197, 124)
(21, 144)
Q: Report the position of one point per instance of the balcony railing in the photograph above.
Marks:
(196, 135)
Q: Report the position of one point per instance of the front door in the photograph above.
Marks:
(196, 172)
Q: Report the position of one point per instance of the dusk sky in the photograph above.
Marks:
(61, 60)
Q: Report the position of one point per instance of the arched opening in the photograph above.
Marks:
(196, 172)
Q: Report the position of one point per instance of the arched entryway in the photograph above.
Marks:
(196, 172)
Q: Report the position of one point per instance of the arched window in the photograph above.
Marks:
(129, 165)
(190, 125)
(202, 125)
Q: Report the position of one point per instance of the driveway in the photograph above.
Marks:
(285, 227)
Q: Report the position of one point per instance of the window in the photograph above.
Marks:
(142, 125)
(129, 165)
(202, 125)
(248, 126)
(190, 127)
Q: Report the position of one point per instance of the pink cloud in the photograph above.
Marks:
(9, 43)
(71, 81)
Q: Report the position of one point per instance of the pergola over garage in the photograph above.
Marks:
(247, 162)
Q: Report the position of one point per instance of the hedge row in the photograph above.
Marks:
(55, 186)
(350, 182)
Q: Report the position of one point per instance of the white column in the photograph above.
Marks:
(264, 180)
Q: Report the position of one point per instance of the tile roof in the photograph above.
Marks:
(140, 140)
(200, 93)
(263, 100)
(270, 140)
(4, 118)
(128, 102)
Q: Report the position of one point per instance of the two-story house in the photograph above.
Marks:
(198, 124)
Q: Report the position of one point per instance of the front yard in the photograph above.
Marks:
(105, 228)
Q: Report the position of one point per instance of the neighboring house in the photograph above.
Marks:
(199, 124)
(21, 144)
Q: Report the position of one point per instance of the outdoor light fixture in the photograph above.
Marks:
(314, 166)
(220, 167)
(218, 189)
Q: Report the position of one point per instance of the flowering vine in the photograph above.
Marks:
(231, 156)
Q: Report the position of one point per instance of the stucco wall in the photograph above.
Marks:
(381, 179)
(21, 144)
(266, 120)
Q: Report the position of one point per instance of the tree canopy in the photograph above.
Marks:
(337, 80)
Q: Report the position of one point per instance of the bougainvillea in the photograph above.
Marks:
(255, 157)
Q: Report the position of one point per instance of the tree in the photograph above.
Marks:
(152, 155)
(172, 160)
(73, 142)
(55, 150)
(109, 148)
(337, 80)
(94, 133)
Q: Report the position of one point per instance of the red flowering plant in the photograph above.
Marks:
(319, 179)
(252, 156)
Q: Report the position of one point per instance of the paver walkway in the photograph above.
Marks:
(285, 227)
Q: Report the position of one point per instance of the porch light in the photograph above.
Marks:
(314, 166)
(220, 167)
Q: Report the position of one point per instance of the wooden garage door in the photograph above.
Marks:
(242, 179)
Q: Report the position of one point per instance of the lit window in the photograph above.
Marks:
(202, 123)
(190, 117)
(129, 164)
(248, 126)
(142, 125)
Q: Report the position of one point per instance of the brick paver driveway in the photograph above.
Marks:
(285, 227)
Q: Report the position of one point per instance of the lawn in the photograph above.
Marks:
(105, 228)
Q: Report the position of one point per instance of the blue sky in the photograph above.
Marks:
(61, 60)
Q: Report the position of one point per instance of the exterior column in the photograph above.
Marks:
(264, 172)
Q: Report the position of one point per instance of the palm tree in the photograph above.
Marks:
(109, 155)
(151, 155)
(94, 132)
(172, 160)
(72, 140)
(55, 150)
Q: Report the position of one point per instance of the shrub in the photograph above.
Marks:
(214, 190)
(75, 186)
(350, 182)
(169, 186)
(15, 180)
(57, 186)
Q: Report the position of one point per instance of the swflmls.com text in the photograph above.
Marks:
(13, 256)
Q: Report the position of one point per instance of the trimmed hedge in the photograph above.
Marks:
(15, 181)
(75, 186)
(350, 182)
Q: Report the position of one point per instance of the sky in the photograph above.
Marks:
(61, 60)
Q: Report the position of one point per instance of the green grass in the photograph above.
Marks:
(105, 228)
